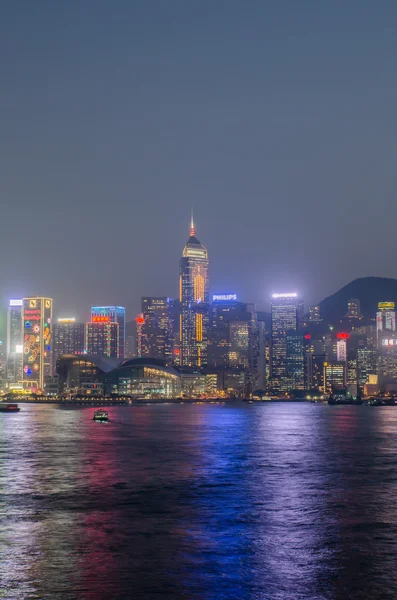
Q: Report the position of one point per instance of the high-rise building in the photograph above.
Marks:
(353, 309)
(37, 340)
(157, 331)
(314, 314)
(140, 322)
(194, 298)
(385, 320)
(295, 360)
(102, 338)
(286, 316)
(68, 337)
(315, 371)
(14, 342)
(334, 376)
(111, 314)
(366, 364)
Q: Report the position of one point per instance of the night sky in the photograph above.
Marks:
(275, 120)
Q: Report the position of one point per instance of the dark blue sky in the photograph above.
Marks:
(275, 120)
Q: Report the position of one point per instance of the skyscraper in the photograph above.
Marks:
(194, 298)
(287, 316)
(37, 339)
(102, 339)
(111, 314)
(353, 309)
(157, 333)
(68, 337)
(385, 319)
(14, 341)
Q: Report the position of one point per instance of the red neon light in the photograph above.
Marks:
(307, 336)
(342, 336)
(140, 320)
(176, 351)
(100, 319)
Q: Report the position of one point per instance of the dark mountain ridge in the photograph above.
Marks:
(369, 290)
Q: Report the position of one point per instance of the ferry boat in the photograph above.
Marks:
(9, 408)
(100, 415)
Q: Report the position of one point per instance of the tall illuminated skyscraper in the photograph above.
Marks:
(102, 339)
(37, 332)
(287, 317)
(111, 314)
(14, 341)
(157, 328)
(68, 337)
(194, 298)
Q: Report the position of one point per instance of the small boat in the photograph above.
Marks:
(9, 408)
(100, 415)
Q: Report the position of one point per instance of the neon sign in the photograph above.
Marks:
(342, 336)
(291, 295)
(100, 319)
(223, 297)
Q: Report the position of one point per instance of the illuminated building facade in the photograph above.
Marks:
(14, 356)
(68, 337)
(111, 314)
(286, 316)
(334, 376)
(102, 339)
(37, 341)
(157, 332)
(140, 322)
(366, 364)
(385, 320)
(314, 314)
(194, 299)
(315, 371)
(295, 360)
(353, 309)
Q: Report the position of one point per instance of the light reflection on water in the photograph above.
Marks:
(199, 502)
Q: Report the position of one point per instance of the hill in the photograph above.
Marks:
(369, 290)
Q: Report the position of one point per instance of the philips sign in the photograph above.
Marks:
(223, 297)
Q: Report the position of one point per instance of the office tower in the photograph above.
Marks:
(385, 320)
(295, 361)
(14, 358)
(37, 340)
(194, 317)
(140, 322)
(157, 332)
(366, 364)
(314, 314)
(68, 337)
(315, 371)
(286, 316)
(233, 341)
(341, 350)
(111, 314)
(334, 376)
(353, 309)
(102, 338)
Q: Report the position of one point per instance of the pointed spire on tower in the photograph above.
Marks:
(191, 225)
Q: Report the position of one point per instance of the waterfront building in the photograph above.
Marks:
(315, 370)
(334, 376)
(68, 338)
(14, 353)
(140, 377)
(366, 365)
(102, 339)
(286, 316)
(37, 340)
(139, 322)
(111, 314)
(157, 330)
(295, 361)
(194, 299)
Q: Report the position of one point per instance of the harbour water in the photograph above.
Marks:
(199, 502)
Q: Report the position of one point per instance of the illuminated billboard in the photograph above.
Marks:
(291, 295)
(37, 318)
(386, 305)
(223, 297)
